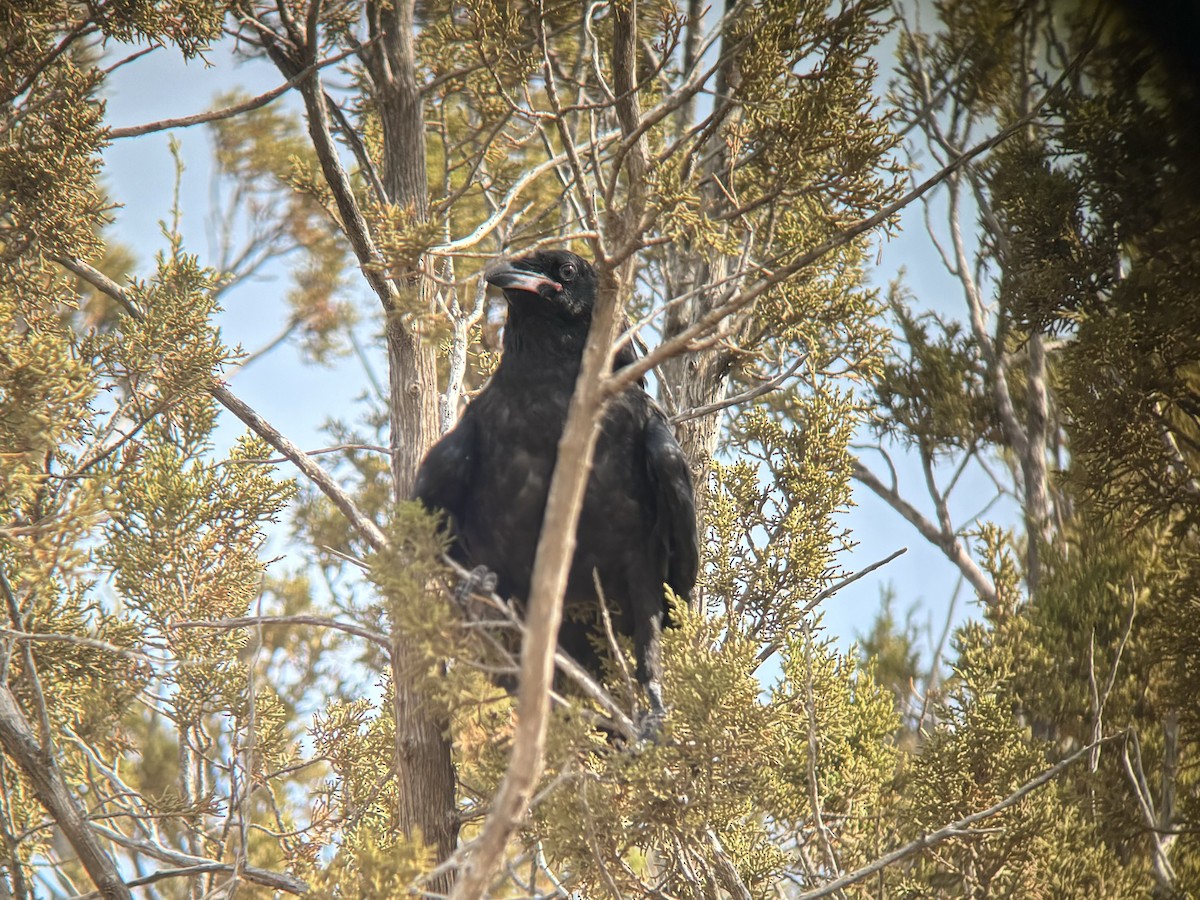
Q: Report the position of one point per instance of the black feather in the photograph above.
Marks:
(491, 474)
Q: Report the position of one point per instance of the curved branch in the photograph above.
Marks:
(227, 112)
(366, 634)
(947, 541)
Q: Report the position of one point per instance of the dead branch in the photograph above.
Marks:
(746, 396)
(366, 634)
(946, 540)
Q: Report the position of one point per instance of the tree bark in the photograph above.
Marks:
(40, 767)
(424, 769)
(1037, 504)
(701, 377)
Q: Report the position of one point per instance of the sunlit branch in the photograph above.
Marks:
(227, 112)
(366, 634)
(746, 396)
(366, 527)
(488, 225)
(947, 540)
(51, 789)
(154, 850)
(954, 829)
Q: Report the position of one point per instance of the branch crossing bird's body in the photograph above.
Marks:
(491, 474)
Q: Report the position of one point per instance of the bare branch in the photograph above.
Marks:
(353, 223)
(102, 283)
(814, 795)
(364, 525)
(276, 880)
(850, 579)
(947, 541)
(746, 396)
(42, 770)
(728, 874)
(954, 829)
(366, 634)
(80, 641)
(772, 648)
(488, 225)
(1164, 871)
(1100, 698)
(227, 112)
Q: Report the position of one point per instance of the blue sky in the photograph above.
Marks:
(298, 397)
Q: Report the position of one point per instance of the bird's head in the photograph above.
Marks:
(554, 283)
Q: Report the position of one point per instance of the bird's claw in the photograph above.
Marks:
(650, 726)
(480, 580)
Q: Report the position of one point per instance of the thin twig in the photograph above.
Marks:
(276, 880)
(954, 829)
(227, 112)
(80, 641)
(948, 543)
(752, 394)
(768, 651)
(366, 634)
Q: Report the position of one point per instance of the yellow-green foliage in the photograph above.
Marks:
(732, 765)
(852, 719)
(371, 870)
(271, 170)
(772, 514)
(1041, 846)
(127, 545)
(119, 521)
(934, 393)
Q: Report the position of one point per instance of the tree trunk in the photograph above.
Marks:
(424, 770)
(696, 379)
(1037, 516)
(701, 377)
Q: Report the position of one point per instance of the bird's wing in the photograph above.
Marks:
(675, 504)
(630, 351)
(445, 472)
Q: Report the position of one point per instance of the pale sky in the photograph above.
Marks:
(297, 397)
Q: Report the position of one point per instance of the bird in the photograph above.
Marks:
(490, 475)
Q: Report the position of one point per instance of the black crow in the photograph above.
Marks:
(491, 474)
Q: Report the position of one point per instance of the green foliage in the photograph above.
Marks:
(1040, 846)
(773, 514)
(725, 783)
(368, 869)
(1085, 246)
(935, 395)
(132, 552)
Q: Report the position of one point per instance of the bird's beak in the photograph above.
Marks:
(510, 278)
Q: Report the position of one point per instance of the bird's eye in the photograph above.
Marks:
(567, 272)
